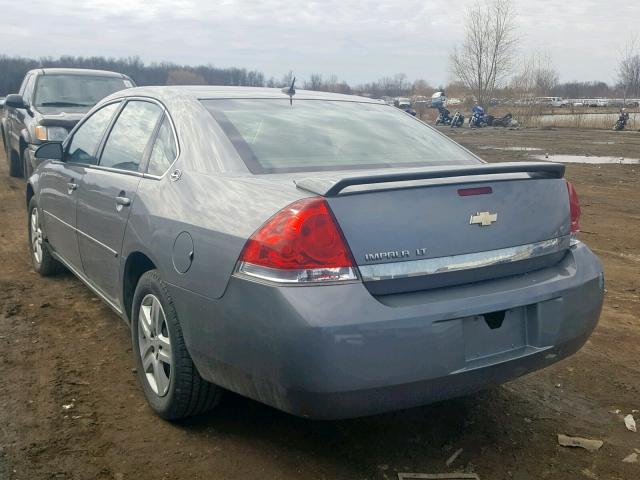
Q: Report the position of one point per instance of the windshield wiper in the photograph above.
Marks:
(64, 104)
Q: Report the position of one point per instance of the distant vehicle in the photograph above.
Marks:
(444, 116)
(49, 104)
(597, 102)
(622, 120)
(458, 120)
(438, 99)
(249, 239)
(556, 102)
(505, 121)
(404, 104)
(478, 117)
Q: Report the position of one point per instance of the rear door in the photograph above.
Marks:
(108, 191)
(59, 182)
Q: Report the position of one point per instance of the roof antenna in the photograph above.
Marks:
(291, 91)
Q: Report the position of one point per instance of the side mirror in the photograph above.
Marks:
(15, 101)
(50, 151)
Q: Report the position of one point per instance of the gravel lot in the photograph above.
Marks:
(70, 407)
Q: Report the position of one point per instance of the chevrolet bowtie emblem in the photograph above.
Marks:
(484, 219)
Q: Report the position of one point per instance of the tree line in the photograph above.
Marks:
(537, 77)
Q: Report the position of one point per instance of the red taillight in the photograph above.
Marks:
(301, 243)
(574, 205)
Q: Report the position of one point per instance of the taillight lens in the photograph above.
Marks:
(299, 244)
(574, 206)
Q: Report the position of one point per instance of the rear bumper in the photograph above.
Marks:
(337, 351)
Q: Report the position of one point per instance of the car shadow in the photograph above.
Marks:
(430, 433)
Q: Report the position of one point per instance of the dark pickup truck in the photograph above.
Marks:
(49, 104)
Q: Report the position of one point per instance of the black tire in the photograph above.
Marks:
(27, 170)
(188, 393)
(46, 265)
(15, 165)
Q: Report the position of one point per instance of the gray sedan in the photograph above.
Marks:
(328, 255)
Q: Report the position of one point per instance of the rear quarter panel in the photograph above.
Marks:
(219, 212)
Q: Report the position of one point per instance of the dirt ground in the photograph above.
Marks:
(70, 407)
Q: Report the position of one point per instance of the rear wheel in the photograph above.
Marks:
(42, 260)
(171, 383)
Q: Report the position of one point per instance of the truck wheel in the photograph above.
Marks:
(27, 169)
(43, 261)
(15, 166)
(170, 381)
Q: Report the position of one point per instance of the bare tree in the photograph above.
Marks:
(314, 82)
(536, 76)
(486, 56)
(422, 88)
(629, 69)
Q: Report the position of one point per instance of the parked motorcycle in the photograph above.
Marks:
(479, 118)
(444, 116)
(505, 121)
(622, 120)
(457, 120)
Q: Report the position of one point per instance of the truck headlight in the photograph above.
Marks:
(50, 134)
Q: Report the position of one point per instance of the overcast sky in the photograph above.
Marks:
(357, 40)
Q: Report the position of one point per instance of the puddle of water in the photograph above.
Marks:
(511, 149)
(585, 159)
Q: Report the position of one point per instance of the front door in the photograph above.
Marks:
(60, 181)
(58, 198)
(107, 193)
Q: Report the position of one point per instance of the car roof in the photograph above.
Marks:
(77, 71)
(202, 92)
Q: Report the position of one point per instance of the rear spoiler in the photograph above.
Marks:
(331, 188)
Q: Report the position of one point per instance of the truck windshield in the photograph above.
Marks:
(272, 136)
(75, 90)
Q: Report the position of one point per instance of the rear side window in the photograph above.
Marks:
(164, 150)
(85, 141)
(130, 136)
(274, 136)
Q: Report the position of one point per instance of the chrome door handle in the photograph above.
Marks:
(71, 187)
(123, 201)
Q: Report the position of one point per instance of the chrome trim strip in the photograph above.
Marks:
(109, 249)
(98, 242)
(456, 263)
(58, 219)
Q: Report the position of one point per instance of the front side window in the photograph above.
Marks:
(80, 91)
(164, 150)
(272, 136)
(28, 89)
(85, 141)
(130, 136)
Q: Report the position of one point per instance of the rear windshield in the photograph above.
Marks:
(75, 90)
(272, 136)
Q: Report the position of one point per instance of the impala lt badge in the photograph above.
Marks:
(484, 219)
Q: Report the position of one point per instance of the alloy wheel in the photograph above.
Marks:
(154, 345)
(36, 236)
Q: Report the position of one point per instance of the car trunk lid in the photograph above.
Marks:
(427, 229)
